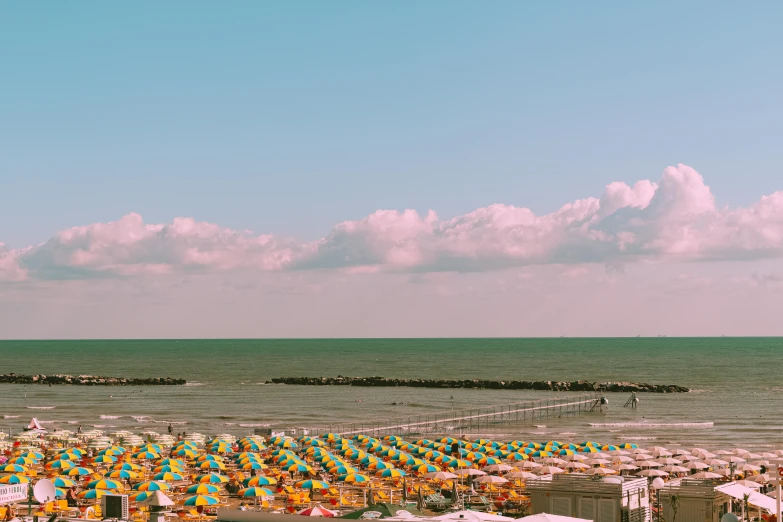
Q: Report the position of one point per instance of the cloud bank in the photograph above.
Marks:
(673, 219)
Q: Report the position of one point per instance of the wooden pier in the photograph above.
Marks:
(464, 421)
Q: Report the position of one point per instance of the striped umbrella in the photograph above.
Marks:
(256, 492)
(312, 484)
(391, 473)
(62, 482)
(201, 500)
(259, 480)
(168, 476)
(123, 474)
(202, 489)
(93, 493)
(14, 479)
(13, 468)
(212, 478)
(78, 472)
(151, 485)
(353, 478)
(104, 484)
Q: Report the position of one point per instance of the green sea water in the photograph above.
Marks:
(736, 382)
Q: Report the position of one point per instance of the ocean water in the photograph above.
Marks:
(737, 398)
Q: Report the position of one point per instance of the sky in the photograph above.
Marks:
(404, 169)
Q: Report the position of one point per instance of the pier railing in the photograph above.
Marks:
(472, 420)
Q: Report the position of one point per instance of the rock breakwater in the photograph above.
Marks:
(480, 384)
(88, 380)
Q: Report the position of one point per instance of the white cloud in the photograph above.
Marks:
(673, 219)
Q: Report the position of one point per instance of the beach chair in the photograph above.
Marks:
(381, 496)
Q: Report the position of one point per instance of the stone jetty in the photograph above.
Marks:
(88, 380)
(479, 384)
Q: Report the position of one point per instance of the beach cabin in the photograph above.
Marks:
(602, 499)
(708, 501)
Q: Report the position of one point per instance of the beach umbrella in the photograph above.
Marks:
(549, 470)
(697, 465)
(312, 484)
(168, 476)
(38, 456)
(252, 465)
(14, 479)
(22, 461)
(151, 485)
(521, 475)
(497, 468)
(202, 489)
(260, 480)
(441, 475)
(186, 452)
(342, 470)
(212, 464)
(577, 465)
(673, 468)
(425, 468)
(93, 493)
(491, 479)
(123, 474)
(653, 473)
(317, 511)
(379, 465)
(201, 500)
(212, 478)
(391, 473)
(127, 466)
(103, 459)
(469, 472)
(63, 482)
(78, 472)
(202, 458)
(146, 455)
(354, 478)
(140, 496)
(297, 468)
(13, 468)
(256, 492)
(103, 484)
(600, 471)
(706, 475)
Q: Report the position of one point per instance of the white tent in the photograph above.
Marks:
(757, 499)
(472, 516)
(546, 517)
(35, 425)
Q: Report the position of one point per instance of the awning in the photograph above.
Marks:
(757, 499)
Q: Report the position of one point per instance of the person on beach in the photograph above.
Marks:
(70, 497)
(170, 429)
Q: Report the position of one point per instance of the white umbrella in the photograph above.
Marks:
(621, 460)
(705, 475)
(749, 484)
(669, 461)
(495, 468)
(724, 452)
(761, 479)
(625, 467)
(648, 464)
(520, 475)
(662, 452)
(716, 463)
(697, 465)
(469, 471)
(549, 470)
(601, 471)
(619, 452)
(598, 462)
(726, 472)
(707, 455)
(749, 467)
(491, 479)
(736, 460)
(554, 461)
(441, 475)
(675, 469)
(576, 457)
(688, 458)
(528, 465)
(653, 473)
(576, 465)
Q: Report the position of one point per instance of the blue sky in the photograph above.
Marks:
(289, 117)
(266, 169)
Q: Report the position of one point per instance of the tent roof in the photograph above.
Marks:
(386, 510)
(757, 499)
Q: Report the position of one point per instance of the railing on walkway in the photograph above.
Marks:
(469, 420)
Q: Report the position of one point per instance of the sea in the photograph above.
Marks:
(736, 398)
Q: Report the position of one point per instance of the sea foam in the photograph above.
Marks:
(652, 425)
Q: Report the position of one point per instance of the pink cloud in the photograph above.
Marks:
(675, 218)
